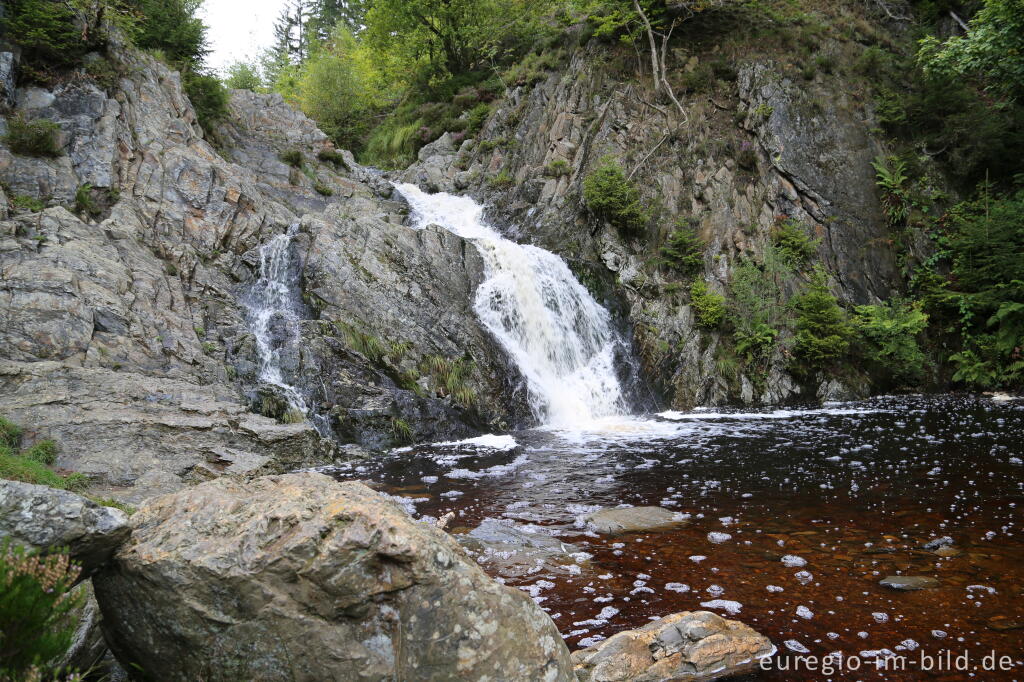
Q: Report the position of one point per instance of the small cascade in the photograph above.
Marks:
(561, 339)
(272, 303)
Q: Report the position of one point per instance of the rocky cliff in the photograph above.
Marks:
(765, 139)
(129, 262)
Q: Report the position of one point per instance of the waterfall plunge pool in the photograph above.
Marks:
(793, 518)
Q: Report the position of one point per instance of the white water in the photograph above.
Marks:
(272, 298)
(557, 334)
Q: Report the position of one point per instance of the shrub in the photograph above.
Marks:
(557, 168)
(208, 95)
(172, 27)
(243, 76)
(612, 197)
(478, 115)
(43, 452)
(24, 202)
(794, 243)
(502, 180)
(708, 306)
(822, 329)
(10, 434)
(36, 611)
(323, 189)
(33, 138)
(332, 156)
(891, 179)
(84, 202)
(292, 157)
(45, 31)
(756, 343)
(889, 334)
(684, 251)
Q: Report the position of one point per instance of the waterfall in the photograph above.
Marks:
(561, 339)
(270, 303)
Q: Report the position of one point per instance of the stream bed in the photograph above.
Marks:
(789, 519)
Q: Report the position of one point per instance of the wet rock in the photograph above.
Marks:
(1005, 623)
(684, 646)
(515, 550)
(39, 517)
(632, 520)
(300, 577)
(908, 583)
(947, 551)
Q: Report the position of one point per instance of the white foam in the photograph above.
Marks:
(489, 441)
(730, 607)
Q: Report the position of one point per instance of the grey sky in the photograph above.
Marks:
(238, 30)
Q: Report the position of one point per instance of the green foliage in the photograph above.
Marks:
(208, 95)
(174, 28)
(33, 138)
(557, 169)
(323, 189)
(448, 378)
(292, 157)
(992, 50)
(244, 76)
(42, 452)
(36, 607)
(24, 202)
(85, 203)
(755, 344)
(889, 335)
(612, 197)
(891, 178)
(793, 242)
(476, 118)
(401, 430)
(684, 251)
(46, 33)
(982, 297)
(757, 308)
(708, 306)
(333, 157)
(501, 180)
(362, 342)
(10, 434)
(822, 328)
(293, 416)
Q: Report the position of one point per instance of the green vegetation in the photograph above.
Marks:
(891, 178)
(448, 378)
(33, 138)
(85, 203)
(36, 607)
(333, 157)
(401, 430)
(684, 251)
(116, 504)
(822, 329)
(757, 309)
(793, 242)
(708, 306)
(32, 465)
(24, 202)
(889, 336)
(292, 157)
(612, 197)
(557, 169)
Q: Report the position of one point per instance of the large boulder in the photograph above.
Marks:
(692, 645)
(39, 517)
(299, 577)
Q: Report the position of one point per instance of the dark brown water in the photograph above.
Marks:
(853, 491)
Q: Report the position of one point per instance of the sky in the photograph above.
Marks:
(238, 30)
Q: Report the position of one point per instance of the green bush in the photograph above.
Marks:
(822, 329)
(478, 115)
(24, 202)
(323, 189)
(708, 306)
(46, 33)
(10, 434)
(243, 76)
(33, 138)
(611, 197)
(174, 28)
(794, 243)
(557, 169)
(755, 344)
(889, 335)
(43, 452)
(333, 157)
(36, 611)
(85, 203)
(684, 251)
(502, 180)
(208, 95)
(292, 157)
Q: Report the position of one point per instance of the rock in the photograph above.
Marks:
(690, 645)
(1005, 623)
(908, 583)
(43, 518)
(944, 541)
(515, 550)
(303, 578)
(633, 520)
(947, 551)
(8, 66)
(87, 644)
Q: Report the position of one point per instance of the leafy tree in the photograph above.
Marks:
(992, 50)
(244, 76)
(889, 332)
(325, 15)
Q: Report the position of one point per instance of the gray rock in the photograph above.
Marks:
(515, 550)
(908, 583)
(42, 518)
(8, 67)
(299, 577)
(944, 541)
(87, 647)
(633, 520)
(692, 645)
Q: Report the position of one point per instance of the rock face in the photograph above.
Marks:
(766, 147)
(632, 520)
(42, 518)
(692, 645)
(299, 577)
(126, 331)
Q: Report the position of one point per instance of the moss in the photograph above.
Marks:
(323, 189)
(502, 180)
(33, 138)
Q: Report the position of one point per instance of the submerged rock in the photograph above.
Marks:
(515, 550)
(908, 583)
(632, 520)
(39, 517)
(684, 646)
(299, 577)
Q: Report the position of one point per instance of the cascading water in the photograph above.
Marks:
(561, 339)
(270, 303)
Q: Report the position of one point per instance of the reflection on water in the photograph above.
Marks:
(794, 517)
